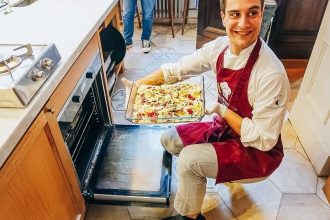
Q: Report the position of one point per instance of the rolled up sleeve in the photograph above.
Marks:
(269, 108)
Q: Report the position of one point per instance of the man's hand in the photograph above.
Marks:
(231, 117)
(128, 86)
(215, 107)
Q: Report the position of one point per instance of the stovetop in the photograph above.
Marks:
(23, 70)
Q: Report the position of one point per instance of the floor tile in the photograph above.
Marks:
(137, 48)
(143, 213)
(319, 192)
(165, 40)
(131, 74)
(288, 135)
(210, 89)
(139, 212)
(164, 53)
(211, 201)
(298, 147)
(295, 174)
(164, 29)
(251, 201)
(211, 187)
(303, 207)
(118, 100)
(220, 213)
(190, 32)
(156, 65)
(295, 86)
(119, 118)
(138, 61)
(107, 212)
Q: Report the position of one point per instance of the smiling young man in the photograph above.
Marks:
(243, 141)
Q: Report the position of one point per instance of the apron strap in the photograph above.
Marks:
(220, 59)
(245, 75)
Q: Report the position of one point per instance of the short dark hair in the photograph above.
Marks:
(223, 5)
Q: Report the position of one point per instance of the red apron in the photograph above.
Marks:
(235, 161)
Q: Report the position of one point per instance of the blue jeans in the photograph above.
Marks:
(269, 12)
(147, 18)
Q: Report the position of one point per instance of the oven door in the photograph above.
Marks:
(114, 164)
(133, 168)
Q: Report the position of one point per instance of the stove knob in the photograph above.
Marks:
(37, 74)
(46, 63)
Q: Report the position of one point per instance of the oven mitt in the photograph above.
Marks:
(128, 86)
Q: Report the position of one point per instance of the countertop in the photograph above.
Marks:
(70, 24)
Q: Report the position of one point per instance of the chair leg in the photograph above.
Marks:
(171, 11)
(184, 14)
(120, 12)
(269, 30)
(138, 16)
(119, 5)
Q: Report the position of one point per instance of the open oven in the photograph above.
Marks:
(115, 164)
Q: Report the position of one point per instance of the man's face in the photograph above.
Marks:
(242, 20)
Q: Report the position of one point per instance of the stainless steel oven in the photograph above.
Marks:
(115, 164)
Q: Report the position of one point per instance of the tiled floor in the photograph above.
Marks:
(292, 192)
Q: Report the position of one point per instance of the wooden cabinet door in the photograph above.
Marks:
(295, 28)
(33, 184)
(209, 22)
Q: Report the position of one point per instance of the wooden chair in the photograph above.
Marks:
(185, 14)
(164, 11)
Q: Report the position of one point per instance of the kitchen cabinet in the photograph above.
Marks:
(294, 30)
(38, 180)
(209, 22)
(34, 184)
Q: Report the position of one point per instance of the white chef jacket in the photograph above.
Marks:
(268, 88)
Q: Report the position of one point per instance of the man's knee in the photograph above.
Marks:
(171, 141)
(188, 163)
(199, 161)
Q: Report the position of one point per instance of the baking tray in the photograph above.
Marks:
(175, 105)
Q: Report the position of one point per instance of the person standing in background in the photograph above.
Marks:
(129, 8)
(269, 13)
